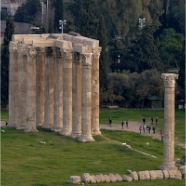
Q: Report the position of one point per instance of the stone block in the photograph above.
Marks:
(74, 180)
(86, 178)
(93, 180)
(127, 178)
(112, 178)
(156, 174)
(106, 178)
(175, 174)
(98, 178)
(166, 174)
(144, 175)
(183, 169)
(134, 176)
(119, 178)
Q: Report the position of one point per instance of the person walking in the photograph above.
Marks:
(144, 129)
(156, 120)
(144, 120)
(140, 129)
(127, 124)
(161, 133)
(122, 124)
(110, 121)
(154, 129)
(152, 119)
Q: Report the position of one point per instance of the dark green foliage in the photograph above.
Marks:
(9, 30)
(27, 12)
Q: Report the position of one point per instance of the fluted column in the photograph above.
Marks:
(22, 91)
(58, 91)
(49, 90)
(67, 93)
(86, 98)
(169, 121)
(13, 85)
(31, 91)
(40, 85)
(76, 95)
(95, 92)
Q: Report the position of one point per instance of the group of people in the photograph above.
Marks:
(123, 123)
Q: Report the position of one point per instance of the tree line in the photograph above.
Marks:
(132, 59)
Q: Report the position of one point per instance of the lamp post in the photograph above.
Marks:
(62, 23)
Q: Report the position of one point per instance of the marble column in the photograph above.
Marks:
(76, 95)
(86, 98)
(169, 121)
(13, 85)
(40, 85)
(22, 89)
(67, 93)
(49, 89)
(31, 91)
(95, 92)
(58, 91)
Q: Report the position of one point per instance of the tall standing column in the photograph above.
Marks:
(67, 93)
(86, 98)
(22, 91)
(169, 120)
(31, 91)
(40, 85)
(76, 95)
(95, 92)
(49, 90)
(58, 91)
(13, 86)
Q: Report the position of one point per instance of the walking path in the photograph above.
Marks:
(133, 126)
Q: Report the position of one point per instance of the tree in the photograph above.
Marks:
(58, 4)
(9, 30)
(27, 12)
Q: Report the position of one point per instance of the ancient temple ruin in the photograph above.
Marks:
(54, 83)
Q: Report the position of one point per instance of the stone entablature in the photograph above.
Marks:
(54, 83)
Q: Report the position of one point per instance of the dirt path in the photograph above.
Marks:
(133, 126)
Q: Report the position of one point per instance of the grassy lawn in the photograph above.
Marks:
(26, 162)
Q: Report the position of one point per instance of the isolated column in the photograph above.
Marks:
(31, 91)
(86, 98)
(76, 95)
(22, 89)
(58, 91)
(169, 121)
(40, 85)
(13, 86)
(95, 92)
(67, 93)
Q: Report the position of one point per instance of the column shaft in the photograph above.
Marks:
(86, 98)
(76, 95)
(58, 91)
(31, 91)
(40, 86)
(13, 86)
(67, 93)
(169, 121)
(22, 73)
(95, 93)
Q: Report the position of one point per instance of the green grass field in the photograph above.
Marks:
(26, 162)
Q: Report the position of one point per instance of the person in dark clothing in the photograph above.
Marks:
(154, 129)
(110, 121)
(152, 119)
(127, 124)
(149, 129)
(156, 120)
(6, 123)
(144, 120)
(122, 124)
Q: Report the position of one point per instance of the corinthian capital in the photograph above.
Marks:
(12, 47)
(22, 49)
(96, 52)
(169, 79)
(32, 52)
(67, 53)
(87, 59)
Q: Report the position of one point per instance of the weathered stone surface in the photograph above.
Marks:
(156, 174)
(176, 174)
(127, 178)
(112, 178)
(93, 180)
(134, 176)
(166, 174)
(98, 178)
(106, 178)
(74, 180)
(144, 175)
(119, 178)
(183, 169)
(87, 178)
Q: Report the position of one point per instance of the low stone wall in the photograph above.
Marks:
(134, 176)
